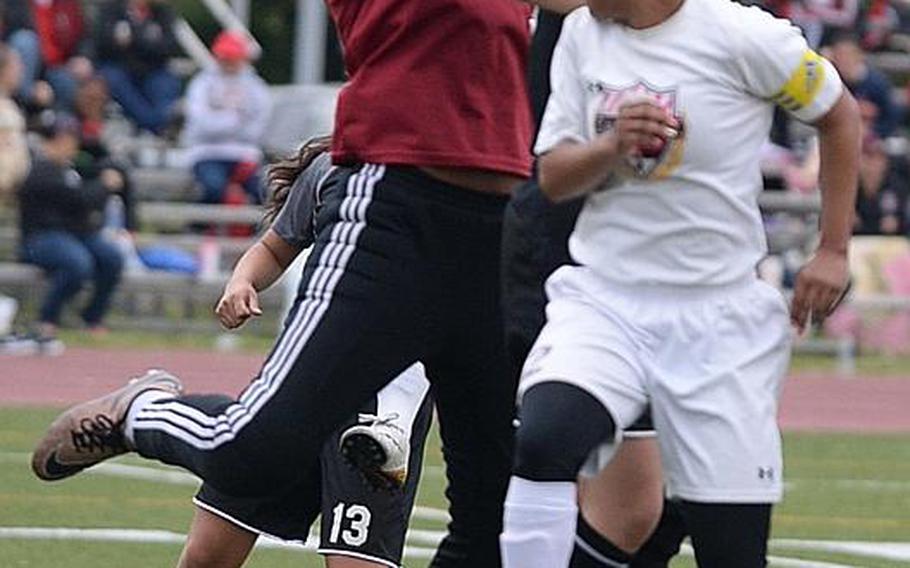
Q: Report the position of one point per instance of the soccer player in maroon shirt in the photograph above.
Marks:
(432, 132)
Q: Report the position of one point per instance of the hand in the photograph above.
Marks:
(643, 128)
(819, 288)
(239, 302)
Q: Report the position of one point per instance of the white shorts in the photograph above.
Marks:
(709, 362)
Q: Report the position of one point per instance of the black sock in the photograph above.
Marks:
(664, 542)
(593, 550)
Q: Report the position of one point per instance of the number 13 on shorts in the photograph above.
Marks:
(357, 528)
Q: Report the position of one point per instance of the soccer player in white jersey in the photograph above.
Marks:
(658, 111)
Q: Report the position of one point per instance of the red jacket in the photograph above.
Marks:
(60, 29)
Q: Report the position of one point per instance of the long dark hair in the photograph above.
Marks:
(282, 174)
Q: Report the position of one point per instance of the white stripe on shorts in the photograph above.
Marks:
(201, 431)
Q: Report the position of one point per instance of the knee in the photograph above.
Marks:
(201, 554)
(109, 261)
(560, 426)
(75, 271)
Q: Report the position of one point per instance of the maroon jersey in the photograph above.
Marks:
(434, 83)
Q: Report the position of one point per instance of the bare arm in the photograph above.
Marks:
(823, 279)
(574, 169)
(264, 262)
(257, 269)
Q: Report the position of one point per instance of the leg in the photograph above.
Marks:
(714, 402)
(475, 396)
(27, 45)
(68, 263)
(357, 325)
(622, 505)
(214, 542)
(362, 527)
(108, 269)
(378, 444)
(726, 535)
(665, 541)
(212, 176)
(561, 425)
(162, 89)
(129, 96)
(252, 186)
(560, 431)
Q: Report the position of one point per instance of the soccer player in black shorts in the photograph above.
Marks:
(361, 526)
(432, 133)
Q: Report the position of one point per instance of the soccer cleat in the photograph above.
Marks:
(378, 448)
(92, 432)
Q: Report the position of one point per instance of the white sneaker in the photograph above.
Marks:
(379, 449)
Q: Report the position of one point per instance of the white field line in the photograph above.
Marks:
(872, 485)
(889, 551)
(157, 537)
(168, 537)
(899, 551)
(174, 476)
(780, 562)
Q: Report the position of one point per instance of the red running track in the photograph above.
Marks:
(811, 402)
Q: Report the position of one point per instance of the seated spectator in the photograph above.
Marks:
(864, 81)
(135, 40)
(49, 36)
(227, 111)
(61, 217)
(95, 158)
(14, 164)
(878, 20)
(802, 15)
(14, 158)
(882, 201)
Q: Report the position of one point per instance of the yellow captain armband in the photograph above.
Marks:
(804, 85)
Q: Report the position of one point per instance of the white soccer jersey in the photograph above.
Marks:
(688, 216)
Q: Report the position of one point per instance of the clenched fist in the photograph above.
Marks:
(239, 303)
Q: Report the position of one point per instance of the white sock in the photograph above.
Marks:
(138, 405)
(539, 524)
(404, 396)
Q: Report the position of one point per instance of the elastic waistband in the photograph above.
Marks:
(683, 293)
(422, 185)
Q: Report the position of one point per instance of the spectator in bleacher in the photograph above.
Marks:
(61, 217)
(14, 158)
(864, 81)
(802, 15)
(882, 201)
(14, 164)
(50, 37)
(95, 157)
(227, 112)
(878, 20)
(135, 41)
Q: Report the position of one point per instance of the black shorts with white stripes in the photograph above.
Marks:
(405, 268)
(357, 520)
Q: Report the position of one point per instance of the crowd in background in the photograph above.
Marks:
(61, 74)
(68, 67)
